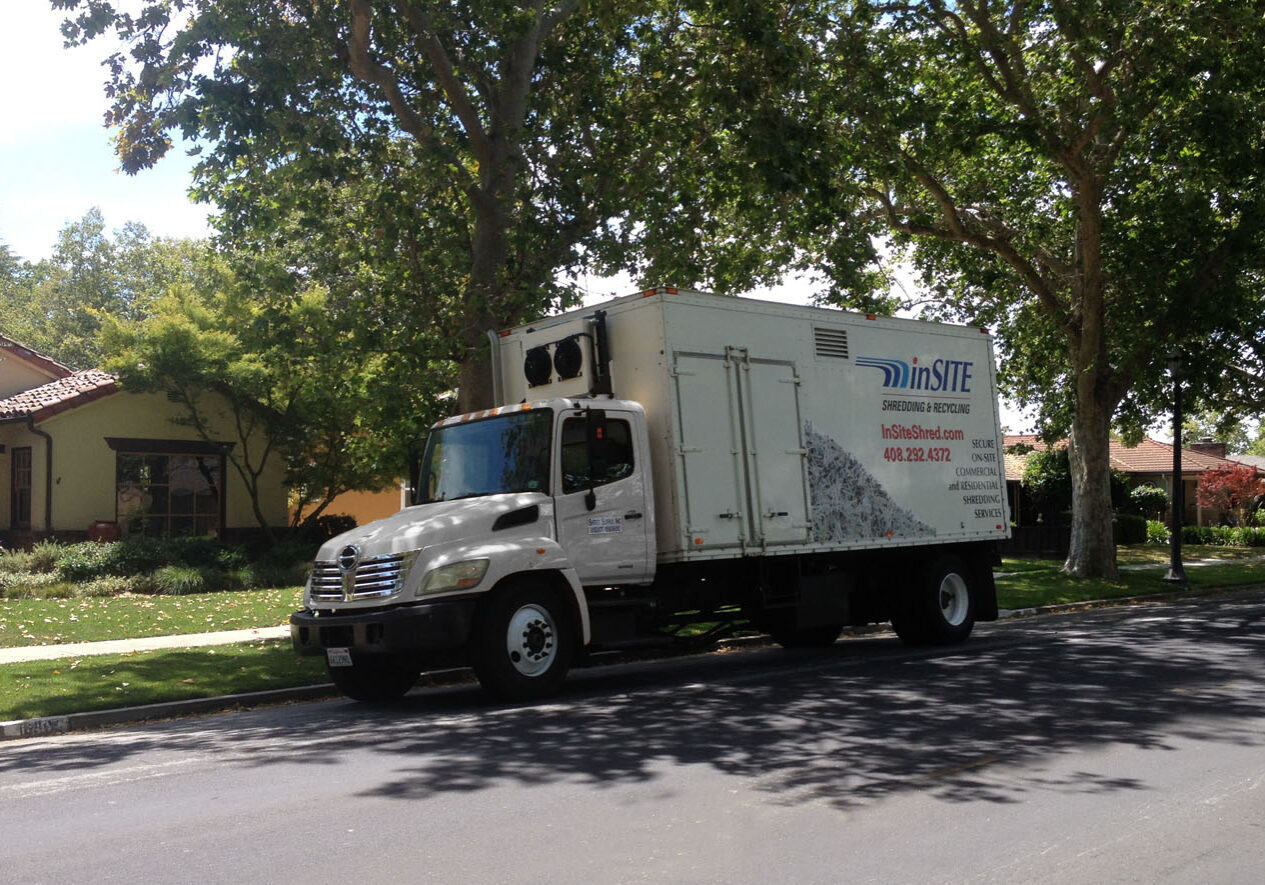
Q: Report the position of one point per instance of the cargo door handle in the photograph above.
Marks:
(774, 514)
(633, 515)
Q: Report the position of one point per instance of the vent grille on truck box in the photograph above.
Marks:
(831, 342)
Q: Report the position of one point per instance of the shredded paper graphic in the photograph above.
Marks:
(848, 503)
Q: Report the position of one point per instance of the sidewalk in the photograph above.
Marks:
(127, 646)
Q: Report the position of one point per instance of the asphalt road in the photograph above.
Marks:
(1114, 745)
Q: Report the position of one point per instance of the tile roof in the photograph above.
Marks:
(41, 403)
(48, 364)
(1149, 456)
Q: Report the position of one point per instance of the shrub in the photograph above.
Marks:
(82, 562)
(33, 585)
(277, 574)
(44, 556)
(324, 527)
(134, 556)
(13, 561)
(180, 580)
(1223, 535)
(25, 585)
(1156, 532)
(1149, 501)
(107, 585)
(1130, 529)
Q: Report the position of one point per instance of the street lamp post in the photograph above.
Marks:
(1176, 574)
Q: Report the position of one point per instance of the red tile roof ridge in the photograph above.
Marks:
(22, 352)
(76, 389)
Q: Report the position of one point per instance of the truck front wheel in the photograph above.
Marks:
(940, 608)
(375, 679)
(523, 643)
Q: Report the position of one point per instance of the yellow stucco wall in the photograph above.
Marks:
(84, 464)
(17, 375)
(365, 507)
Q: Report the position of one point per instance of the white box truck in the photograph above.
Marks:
(676, 458)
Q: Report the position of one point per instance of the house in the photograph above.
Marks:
(79, 455)
(1148, 463)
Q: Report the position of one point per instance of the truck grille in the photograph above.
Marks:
(372, 579)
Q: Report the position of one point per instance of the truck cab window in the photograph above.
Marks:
(508, 453)
(615, 456)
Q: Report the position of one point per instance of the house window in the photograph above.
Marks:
(169, 495)
(20, 489)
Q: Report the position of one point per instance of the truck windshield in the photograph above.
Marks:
(508, 453)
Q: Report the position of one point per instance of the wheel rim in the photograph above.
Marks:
(531, 640)
(955, 599)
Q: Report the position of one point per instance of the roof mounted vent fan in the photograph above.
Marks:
(568, 359)
(537, 367)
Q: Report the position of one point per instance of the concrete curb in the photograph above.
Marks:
(53, 725)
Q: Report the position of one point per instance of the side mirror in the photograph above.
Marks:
(595, 439)
(415, 449)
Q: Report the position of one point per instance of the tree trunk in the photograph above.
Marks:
(1092, 553)
(484, 297)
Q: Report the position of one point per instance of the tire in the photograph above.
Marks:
(374, 679)
(524, 643)
(806, 637)
(940, 608)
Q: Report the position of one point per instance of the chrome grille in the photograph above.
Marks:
(373, 578)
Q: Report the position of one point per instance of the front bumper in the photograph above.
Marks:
(407, 629)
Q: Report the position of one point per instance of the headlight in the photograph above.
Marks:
(457, 576)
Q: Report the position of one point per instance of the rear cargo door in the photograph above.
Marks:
(776, 457)
(710, 452)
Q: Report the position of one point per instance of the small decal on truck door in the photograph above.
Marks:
(606, 525)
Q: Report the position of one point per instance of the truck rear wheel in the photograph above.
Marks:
(374, 679)
(524, 643)
(940, 608)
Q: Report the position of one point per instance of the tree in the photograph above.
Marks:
(511, 132)
(56, 306)
(295, 393)
(1081, 176)
(1228, 427)
(1236, 490)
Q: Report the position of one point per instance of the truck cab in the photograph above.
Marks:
(531, 503)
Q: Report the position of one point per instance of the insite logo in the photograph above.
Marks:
(938, 376)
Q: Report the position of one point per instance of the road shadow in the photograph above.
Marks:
(845, 726)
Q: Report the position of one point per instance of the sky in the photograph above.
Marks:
(56, 157)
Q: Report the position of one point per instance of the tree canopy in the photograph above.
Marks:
(56, 306)
(1084, 177)
(470, 151)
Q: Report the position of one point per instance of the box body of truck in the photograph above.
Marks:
(777, 429)
(672, 458)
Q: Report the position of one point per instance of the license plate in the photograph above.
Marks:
(338, 657)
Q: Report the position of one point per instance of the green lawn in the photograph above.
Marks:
(79, 685)
(25, 622)
(1027, 583)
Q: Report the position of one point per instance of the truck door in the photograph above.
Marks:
(609, 544)
(711, 460)
(776, 456)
